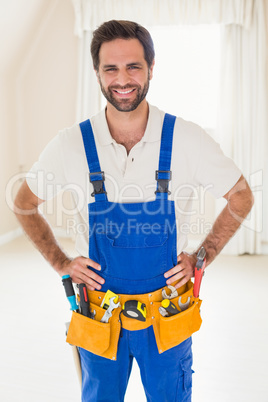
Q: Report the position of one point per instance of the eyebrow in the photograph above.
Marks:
(128, 65)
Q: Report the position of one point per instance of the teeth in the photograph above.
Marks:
(126, 92)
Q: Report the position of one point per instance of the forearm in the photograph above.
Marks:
(41, 234)
(240, 201)
(229, 220)
(222, 231)
(39, 231)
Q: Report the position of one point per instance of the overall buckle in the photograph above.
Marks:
(163, 183)
(97, 183)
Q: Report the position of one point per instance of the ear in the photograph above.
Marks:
(151, 70)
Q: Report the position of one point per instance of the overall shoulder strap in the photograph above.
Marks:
(96, 176)
(163, 174)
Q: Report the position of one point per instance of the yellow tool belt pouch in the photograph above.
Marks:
(95, 336)
(173, 330)
(102, 338)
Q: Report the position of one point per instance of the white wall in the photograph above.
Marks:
(38, 93)
(265, 199)
(8, 163)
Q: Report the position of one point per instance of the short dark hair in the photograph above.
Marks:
(120, 29)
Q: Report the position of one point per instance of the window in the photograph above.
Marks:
(186, 75)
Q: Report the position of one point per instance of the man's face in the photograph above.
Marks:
(123, 73)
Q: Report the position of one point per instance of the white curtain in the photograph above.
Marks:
(242, 115)
(89, 95)
(243, 128)
(92, 13)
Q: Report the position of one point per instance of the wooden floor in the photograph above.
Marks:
(230, 350)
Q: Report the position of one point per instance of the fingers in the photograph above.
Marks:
(91, 263)
(178, 268)
(182, 272)
(81, 273)
(184, 280)
(177, 273)
(91, 280)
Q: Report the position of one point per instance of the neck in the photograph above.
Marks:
(127, 128)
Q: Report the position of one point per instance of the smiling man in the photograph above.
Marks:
(138, 159)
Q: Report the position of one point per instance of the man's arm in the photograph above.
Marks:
(39, 231)
(239, 203)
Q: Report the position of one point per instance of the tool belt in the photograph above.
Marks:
(102, 338)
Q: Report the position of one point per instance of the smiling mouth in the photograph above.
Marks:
(124, 92)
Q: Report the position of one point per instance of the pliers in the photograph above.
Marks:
(199, 270)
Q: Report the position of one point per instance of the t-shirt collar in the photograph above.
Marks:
(152, 132)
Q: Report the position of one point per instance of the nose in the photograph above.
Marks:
(123, 77)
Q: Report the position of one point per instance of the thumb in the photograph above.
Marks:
(179, 257)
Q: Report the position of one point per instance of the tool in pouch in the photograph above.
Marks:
(199, 271)
(167, 309)
(173, 292)
(107, 297)
(69, 290)
(84, 302)
(134, 309)
(108, 313)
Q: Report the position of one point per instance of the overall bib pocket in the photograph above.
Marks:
(126, 250)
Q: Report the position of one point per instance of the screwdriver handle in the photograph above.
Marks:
(170, 307)
(69, 290)
(84, 302)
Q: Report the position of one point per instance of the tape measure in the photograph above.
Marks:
(134, 309)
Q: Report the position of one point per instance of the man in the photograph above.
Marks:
(133, 245)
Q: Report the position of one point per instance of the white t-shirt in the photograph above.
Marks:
(196, 160)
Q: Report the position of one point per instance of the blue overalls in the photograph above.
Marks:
(135, 244)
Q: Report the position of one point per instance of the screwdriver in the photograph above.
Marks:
(169, 307)
(69, 290)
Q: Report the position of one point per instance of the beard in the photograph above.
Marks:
(125, 105)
